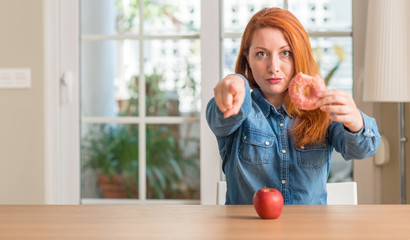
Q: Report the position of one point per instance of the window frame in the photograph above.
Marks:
(62, 165)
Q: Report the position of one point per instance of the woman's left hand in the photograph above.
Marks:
(342, 108)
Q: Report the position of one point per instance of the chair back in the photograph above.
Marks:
(342, 193)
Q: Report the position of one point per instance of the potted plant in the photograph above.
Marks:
(113, 152)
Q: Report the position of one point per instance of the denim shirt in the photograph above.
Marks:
(257, 151)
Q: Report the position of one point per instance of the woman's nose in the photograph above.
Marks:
(273, 65)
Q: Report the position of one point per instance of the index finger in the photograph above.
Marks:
(330, 92)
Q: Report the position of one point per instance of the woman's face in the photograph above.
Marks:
(271, 62)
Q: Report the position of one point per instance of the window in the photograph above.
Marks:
(140, 99)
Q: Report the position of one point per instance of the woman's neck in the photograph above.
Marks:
(276, 100)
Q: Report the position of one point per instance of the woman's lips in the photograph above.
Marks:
(274, 80)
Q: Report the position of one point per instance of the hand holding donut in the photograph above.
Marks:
(230, 94)
(309, 93)
(342, 107)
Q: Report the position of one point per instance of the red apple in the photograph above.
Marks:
(268, 203)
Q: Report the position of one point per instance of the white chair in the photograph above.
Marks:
(220, 192)
(342, 193)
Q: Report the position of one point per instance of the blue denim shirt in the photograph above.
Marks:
(257, 151)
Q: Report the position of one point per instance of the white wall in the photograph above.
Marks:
(21, 110)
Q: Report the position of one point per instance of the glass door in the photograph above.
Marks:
(140, 100)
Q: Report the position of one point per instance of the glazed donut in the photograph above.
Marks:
(303, 89)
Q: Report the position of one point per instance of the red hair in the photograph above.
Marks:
(310, 127)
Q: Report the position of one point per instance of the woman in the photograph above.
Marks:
(263, 139)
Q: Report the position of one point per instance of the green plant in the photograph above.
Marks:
(166, 162)
(156, 102)
(113, 151)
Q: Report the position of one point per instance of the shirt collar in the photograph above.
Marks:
(265, 106)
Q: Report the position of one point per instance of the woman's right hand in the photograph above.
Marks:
(230, 94)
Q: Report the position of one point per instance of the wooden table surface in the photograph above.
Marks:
(202, 222)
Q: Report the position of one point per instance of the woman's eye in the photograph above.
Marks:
(260, 54)
(286, 53)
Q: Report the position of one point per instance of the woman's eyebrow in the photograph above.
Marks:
(284, 46)
(263, 48)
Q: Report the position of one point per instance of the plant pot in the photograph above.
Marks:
(116, 187)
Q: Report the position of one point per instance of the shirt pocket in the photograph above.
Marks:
(255, 147)
(313, 156)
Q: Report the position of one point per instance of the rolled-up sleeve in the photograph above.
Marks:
(356, 145)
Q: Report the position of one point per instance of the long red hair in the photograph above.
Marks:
(310, 127)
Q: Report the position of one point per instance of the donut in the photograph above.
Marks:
(303, 89)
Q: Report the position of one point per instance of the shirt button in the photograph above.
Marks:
(283, 181)
(267, 143)
(281, 124)
(244, 137)
(283, 151)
